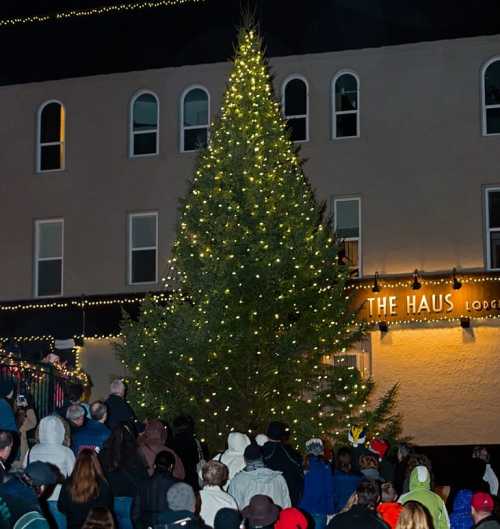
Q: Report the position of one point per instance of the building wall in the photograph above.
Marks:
(448, 380)
(419, 164)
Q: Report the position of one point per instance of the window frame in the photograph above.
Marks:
(335, 113)
(183, 128)
(39, 143)
(37, 259)
(359, 239)
(132, 216)
(484, 106)
(292, 77)
(132, 133)
(488, 229)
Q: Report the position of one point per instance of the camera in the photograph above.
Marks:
(21, 401)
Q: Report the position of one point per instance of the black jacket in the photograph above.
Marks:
(128, 478)
(358, 517)
(119, 411)
(487, 523)
(185, 446)
(277, 456)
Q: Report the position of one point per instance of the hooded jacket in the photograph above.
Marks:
(7, 418)
(50, 449)
(344, 485)
(357, 517)
(152, 442)
(420, 490)
(390, 511)
(318, 488)
(247, 483)
(233, 456)
(213, 499)
(460, 517)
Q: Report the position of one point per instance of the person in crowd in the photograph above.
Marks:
(213, 498)
(380, 447)
(291, 519)
(482, 506)
(256, 478)
(277, 456)
(50, 449)
(357, 436)
(6, 444)
(151, 499)
(85, 489)
(99, 518)
(362, 515)
(188, 448)
(388, 508)
(26, 421)
(317, 499)
(403, 454)
(93, 432)
(261, 439)
(369, 467)
(73, 396)
(481, 453)
(181, 501)
(227, 519)
(153, 441)
(415, 460)
(461, 515)
(414, 516)
(7, 417)
(233, 457)
(125, 470)
(75, 415)
(345, 481)
(420, 490)
(261, 512)
(119, 410)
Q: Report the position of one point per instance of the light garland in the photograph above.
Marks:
(95, 11)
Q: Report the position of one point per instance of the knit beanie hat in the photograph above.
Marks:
(291, 519)
(315, 447)
(180, 497)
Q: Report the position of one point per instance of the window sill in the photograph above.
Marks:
(49, 296)
(48, 171)
(341, 138)
(143, 283)
(139, 156)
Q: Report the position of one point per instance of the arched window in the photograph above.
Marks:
(144, 125)
(51, 136)
(491, 97)
(296, 108)
(195, 118)
(345, 92)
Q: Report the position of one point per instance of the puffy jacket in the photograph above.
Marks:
(460, 517)
(420, 490)
(50, 449)
(389, 512)
(344, 485)
(247, 483)
(233, 456)
(318, 488)
(92, 434)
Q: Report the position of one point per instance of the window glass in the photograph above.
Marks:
(143, 266)
(492, 84)
(297, 128)
(50, 157)
(145, 143)
(145, 113)
(50, 277)
(143, 231)
(495, 249)
(347, 223)
(195, 108)
(346, 93)
(51, 121)
(346, 125)
(295, 98)
(195, 139)
(493, 120)
(50, 239)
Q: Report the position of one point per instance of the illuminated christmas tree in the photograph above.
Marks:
(258, 304)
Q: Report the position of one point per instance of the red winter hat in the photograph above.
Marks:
(291, 519)
(379, 446)
(482, 502)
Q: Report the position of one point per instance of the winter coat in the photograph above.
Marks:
(491, 478)
(357, 517)
(7, 417)
(278, 457)
(488, 523)
(389, 512)
(318, 488)
(151, 499)
(344, 485)
(420, 490)
(213, 499)
(152, 442)
(233, 456)
(92, 434)
(247, 483)
(185, 446)
(460, 517)
(50, 449)
(119, 411)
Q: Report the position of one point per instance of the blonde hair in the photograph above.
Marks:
(414, 516)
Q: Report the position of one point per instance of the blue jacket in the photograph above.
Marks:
(7, 419)
(460, 517)
(343, 486)
(318, 488)
(91, 434)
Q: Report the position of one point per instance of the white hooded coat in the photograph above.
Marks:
(50, 449)
(233, 456)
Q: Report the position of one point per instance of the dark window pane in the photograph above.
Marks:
(144, 231)
(493, 120)
(50, 157)
(297, 128)
(494, 205)
(195, 139)
(196, 108)
(346, 93)
(50, 125)
(495, 249)
(347, 221)
(143, 266)
(49, 278)
(347, 125)
(295, 98)
(145, 143)
(492, 84)
(145, 112)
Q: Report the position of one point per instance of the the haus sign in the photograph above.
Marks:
(436, 299)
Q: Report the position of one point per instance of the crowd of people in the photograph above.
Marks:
(98, 467)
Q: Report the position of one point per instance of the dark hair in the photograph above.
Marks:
(6, 439)
(164, 461)
(98, 410)
(183, 423)
(343, 460)
(120, 449)
(74, 392)
(417, 460)
(99, 518)
(368, 492)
